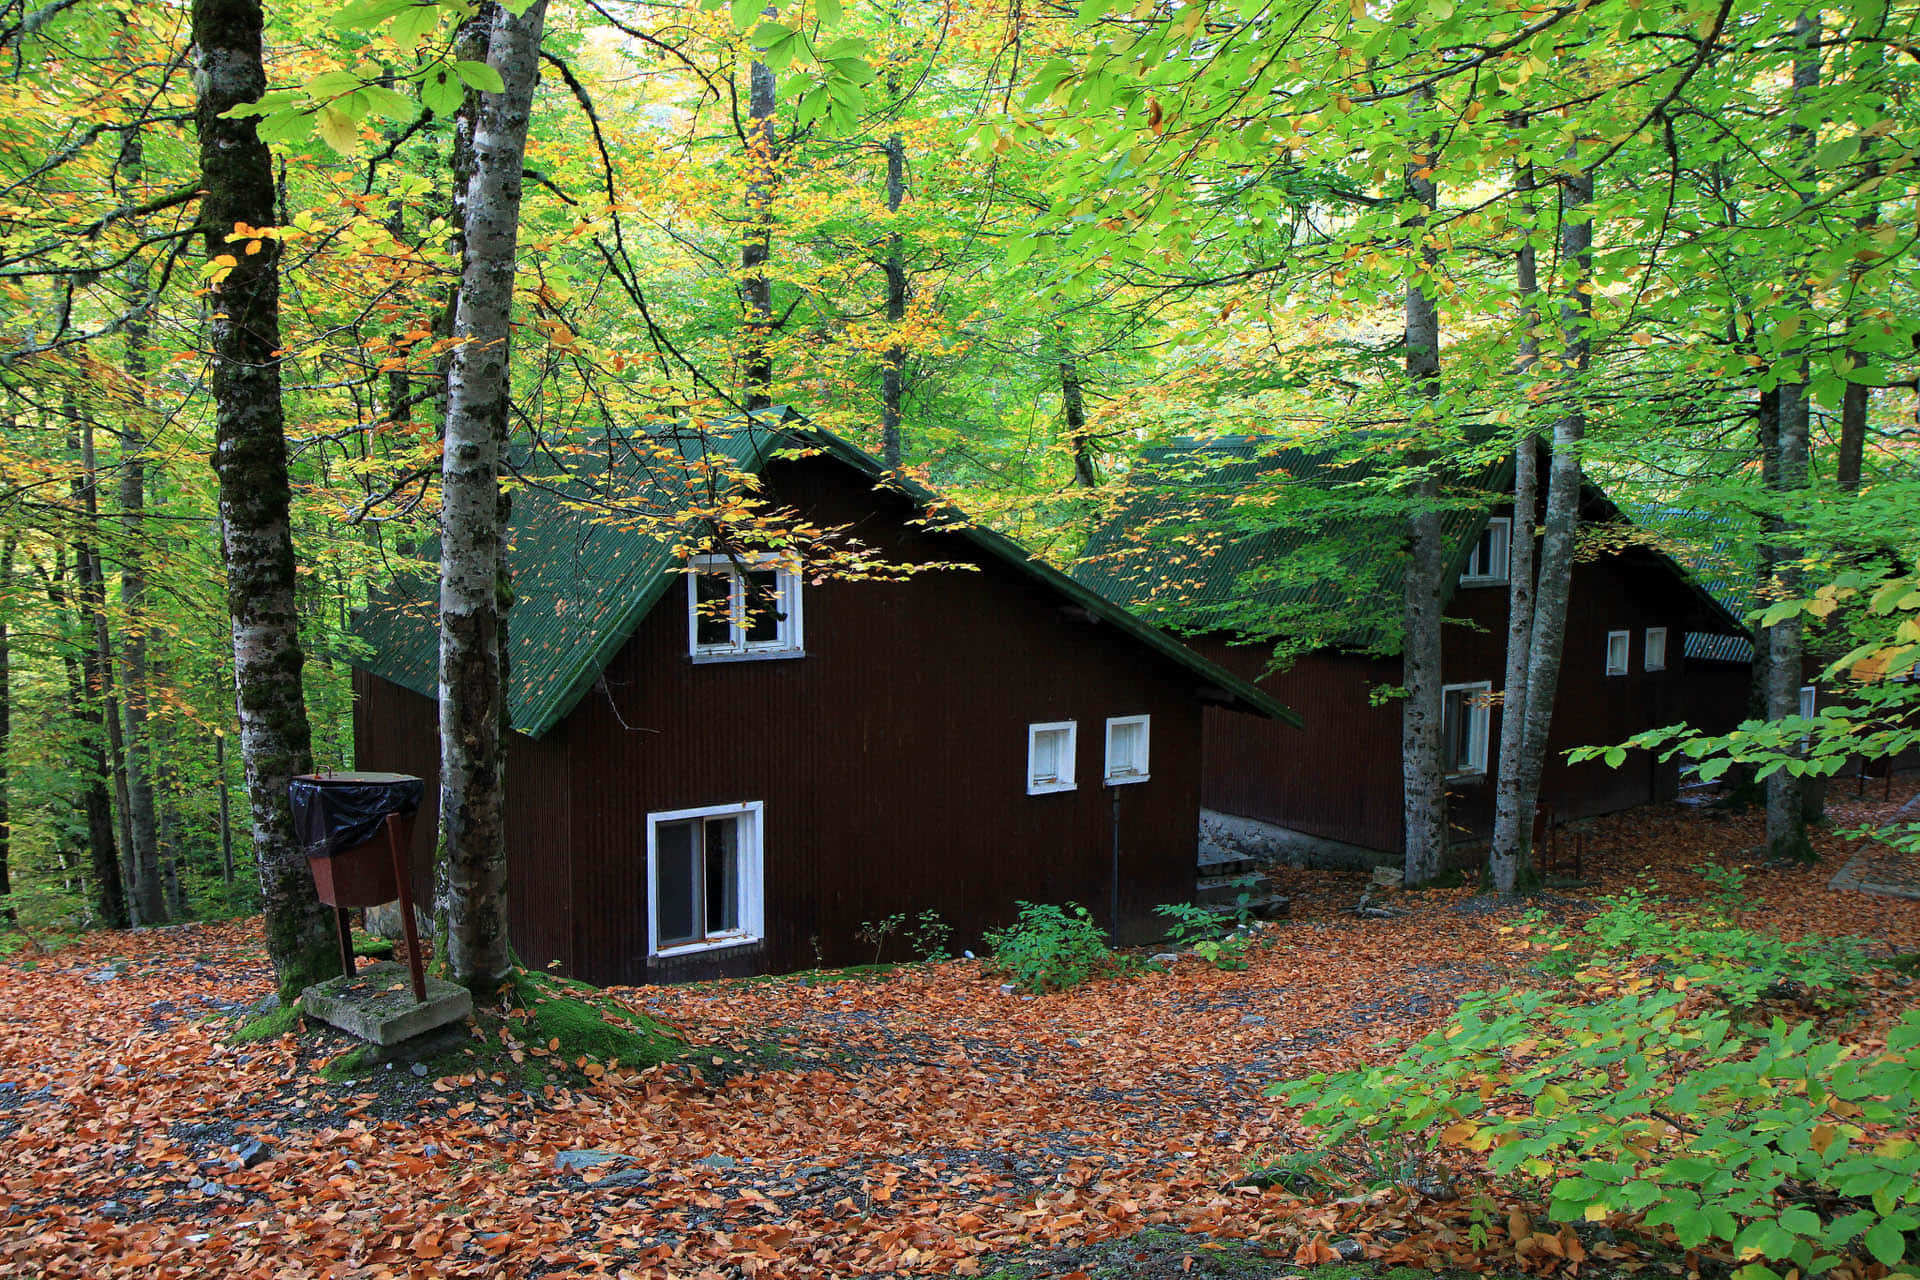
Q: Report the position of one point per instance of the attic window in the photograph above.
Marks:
(1487, 565)
(1656, 656)
(742, 607)
(1618, 645)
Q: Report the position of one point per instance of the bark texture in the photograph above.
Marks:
(1786, 643)
(1510, 859)
(103, 859)
(472, 784)
(1422, 765)
(135, 669)
(893, 361)
(756, 290)
(6, 735)
(1073, 406)
(250, 461)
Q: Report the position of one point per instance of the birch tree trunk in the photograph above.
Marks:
(7, 914)
(250, 460)
(756, 290)
(1786, 792)
(1547, 644)
(103, 860)
(1422, 763)
(472, 782)
(1510, 858)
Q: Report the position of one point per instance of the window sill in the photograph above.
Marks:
(749, 655)
(1653, 670)
(1127, 779)
(1048, 788)
(711, 944)
(1611, 674)
(1468, 775)
(1484, 582)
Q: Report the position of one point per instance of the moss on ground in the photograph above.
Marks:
(1172, 1255)
(365, 944)
(282, 1021)
(586, 1024)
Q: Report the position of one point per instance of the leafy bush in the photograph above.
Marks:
(1049, 948)
(1653, 1107)
(1636, 930)
(1205, 933)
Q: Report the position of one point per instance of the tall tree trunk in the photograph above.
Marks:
(1786, 791)
(103, 860)
(756, 290)
(1510, 858)
(1547, 644)
(7, 914)
(142, 839)
(1422, 761)
(97, 659)
(893, 361)
(250, 460)
(1857, 399)
(472, 783)
(1073, 406)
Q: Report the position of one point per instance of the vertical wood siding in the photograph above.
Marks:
(891, 761)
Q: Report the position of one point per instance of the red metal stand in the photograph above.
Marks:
(366, 876)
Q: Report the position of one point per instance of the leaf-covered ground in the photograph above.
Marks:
(911, 1122)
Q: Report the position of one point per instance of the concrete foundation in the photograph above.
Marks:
(377, 1005)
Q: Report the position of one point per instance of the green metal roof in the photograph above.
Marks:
(583, 579)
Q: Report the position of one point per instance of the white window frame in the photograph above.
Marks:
(790, 640)
(1646, 655)
(1626, 653)
(1116, 778)
(1065, 781)
(750, 850)
(1479, 727)
(1809, 704)
(1489, 576)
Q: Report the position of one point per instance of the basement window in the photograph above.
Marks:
(1050, 757)
(1656, 655)
(1466, 716)
(704, 877)
(1618, 644)
(1127, 749)
(1487, 564)
(743, 607)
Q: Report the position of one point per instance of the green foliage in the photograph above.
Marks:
(1650, 1102)
(1637, 932)
(1206, 933)
(281, 1021)
(926, 935)
(1050, 948)
(574, 1021)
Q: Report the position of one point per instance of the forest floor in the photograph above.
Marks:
(911, 1121)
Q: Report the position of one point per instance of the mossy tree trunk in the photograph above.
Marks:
(250, 460)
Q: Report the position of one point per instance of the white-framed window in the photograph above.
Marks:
(1466, 716)
(1050, 756)
(743, 607)
(1656, 655)
(704, 885)
(1127, 742)
(1487, 564)
(1809, 702)
(1619, 644)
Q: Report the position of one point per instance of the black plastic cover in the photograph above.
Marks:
(334, 812)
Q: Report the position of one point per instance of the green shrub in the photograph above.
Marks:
(1654, 1107)
(1205, 933)
(1049, 948)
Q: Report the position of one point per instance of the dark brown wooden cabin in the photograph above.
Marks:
(866, 748)
(1624, 671)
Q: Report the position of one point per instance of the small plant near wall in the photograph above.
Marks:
(1050, 948)
(926, 935)
(1206, 934)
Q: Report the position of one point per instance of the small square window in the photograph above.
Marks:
(1618, 645)
(1127, 741)
(1050, 757)
(1656, 656)
(742, 607)
(704, 878)
(1487, 563)
(1466, 715)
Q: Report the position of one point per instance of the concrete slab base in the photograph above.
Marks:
(377, 1005)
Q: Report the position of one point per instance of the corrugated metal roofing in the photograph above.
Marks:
(1719, 554)
(584, 578)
